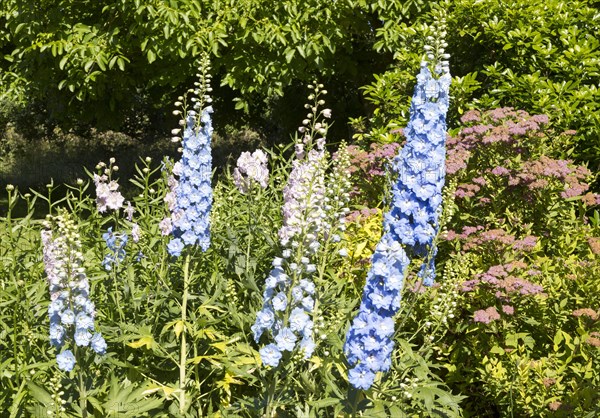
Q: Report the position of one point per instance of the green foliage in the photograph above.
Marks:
(126, 56)
(521, 338)
(140, 314)
(109, 63)
(539, 56)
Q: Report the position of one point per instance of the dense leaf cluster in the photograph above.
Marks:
(112, 55)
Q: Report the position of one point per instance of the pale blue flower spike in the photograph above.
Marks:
(410, 228)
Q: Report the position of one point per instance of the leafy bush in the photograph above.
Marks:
(522, 339)
(67, 53)
(537, 56)
(513, 323)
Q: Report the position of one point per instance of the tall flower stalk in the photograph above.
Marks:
(71, 311)
(191, 197)
(289, 296)
(285, 322)
(190, 218)
(411, 225)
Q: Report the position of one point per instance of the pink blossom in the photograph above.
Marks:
(471, 116)
(508, 310)
(500, 171)
(486, 316)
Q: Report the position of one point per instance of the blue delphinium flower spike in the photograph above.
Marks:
(410, 227)
(192, 192)
(71, 311)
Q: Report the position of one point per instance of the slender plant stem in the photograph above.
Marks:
(270, 408)
(250, 223)
(13, 278)
(183, 353)
(82, 390)
(355, 402)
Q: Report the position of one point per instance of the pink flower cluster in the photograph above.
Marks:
(588, 312)
(466, 190)
(499, 236)
(357, 215)
(512, 135)
(526, 244)
(594, 244)
(491, 314)
(486, 316)
(476, 236)
(499, 126)
(594, 339)
(372, 163)
(538, 174)
(591, 199)
(466, 232)
(503, 281)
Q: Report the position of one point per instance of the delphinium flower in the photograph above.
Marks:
(71, 311)
(107, 189)
(109, 197)
(369, 341)
(190, 216)
(289, 296)
(116, 244)
(169, 171)
(417, 195)
(411, 224)
(251, 168)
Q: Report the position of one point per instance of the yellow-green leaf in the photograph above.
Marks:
(178, 328)
(146, 340)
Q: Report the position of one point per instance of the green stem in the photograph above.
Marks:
(13, 277)
(82, 390)
(250, 204)
(116, 284)
(270, 408)
(159, 284)
(183, 352)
